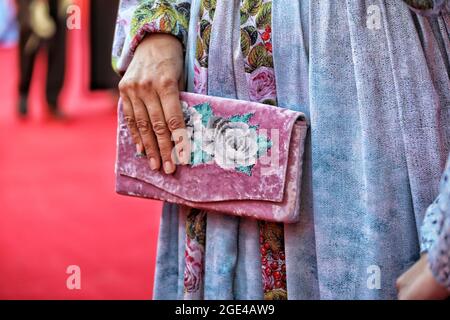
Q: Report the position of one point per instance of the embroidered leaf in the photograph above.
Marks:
(245, 42)
(268, 61)
(204, 62)
(176, 29)
(244, 17)
(211, 13)
(206, 37)
(199, 51)
(246, 170)
(258, 56)
(202, 10)
(203, 25)
(205, 111)
(264, 144)
(144, 14)
(242, 117)
(264, 16)
(209, 4)
(249, 68)
(253, 33)
(251, 6)
(199, 156)
(184, 9)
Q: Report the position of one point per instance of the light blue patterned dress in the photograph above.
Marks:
(373, 78)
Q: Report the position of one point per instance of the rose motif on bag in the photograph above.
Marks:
(235, 144)
(231, 143)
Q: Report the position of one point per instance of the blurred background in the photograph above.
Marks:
(57, 150)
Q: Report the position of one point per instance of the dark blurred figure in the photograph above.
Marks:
(42, 24)
(103, 16)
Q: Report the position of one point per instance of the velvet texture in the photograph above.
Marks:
(270, 191)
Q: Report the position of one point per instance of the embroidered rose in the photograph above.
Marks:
(262, 84)
(193, 271)
(233, 144)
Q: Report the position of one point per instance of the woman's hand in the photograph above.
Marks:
(151, 104)
(418, 283)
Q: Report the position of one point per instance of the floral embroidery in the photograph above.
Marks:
(262, 85)
(194, 253)
(231, 143)
(273, 260)
(160, 16)
(256, 46)
(207, 10)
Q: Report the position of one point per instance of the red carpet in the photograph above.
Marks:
(58, 206)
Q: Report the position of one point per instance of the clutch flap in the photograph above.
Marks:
(239, 151)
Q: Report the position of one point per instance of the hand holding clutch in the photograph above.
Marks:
(245, 159)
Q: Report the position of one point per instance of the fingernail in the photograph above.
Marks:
(168, 167)
(153, 164)
(139, 149)
(181, 157)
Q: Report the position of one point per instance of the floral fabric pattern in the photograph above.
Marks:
(273, 261)
(256, 46)
(206, 16)
(160, 16)
(194, 254)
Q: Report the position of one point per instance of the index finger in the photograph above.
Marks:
(173, 114)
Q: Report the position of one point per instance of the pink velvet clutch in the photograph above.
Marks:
(246, 160)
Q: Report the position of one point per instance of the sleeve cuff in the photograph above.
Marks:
(429, 232)
(159, 17)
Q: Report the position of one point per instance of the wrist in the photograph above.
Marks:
(155, 43)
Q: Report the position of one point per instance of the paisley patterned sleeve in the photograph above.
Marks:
(439, 250)
(435, 215)
(429, 7)
(137, 18)
(430, 227)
